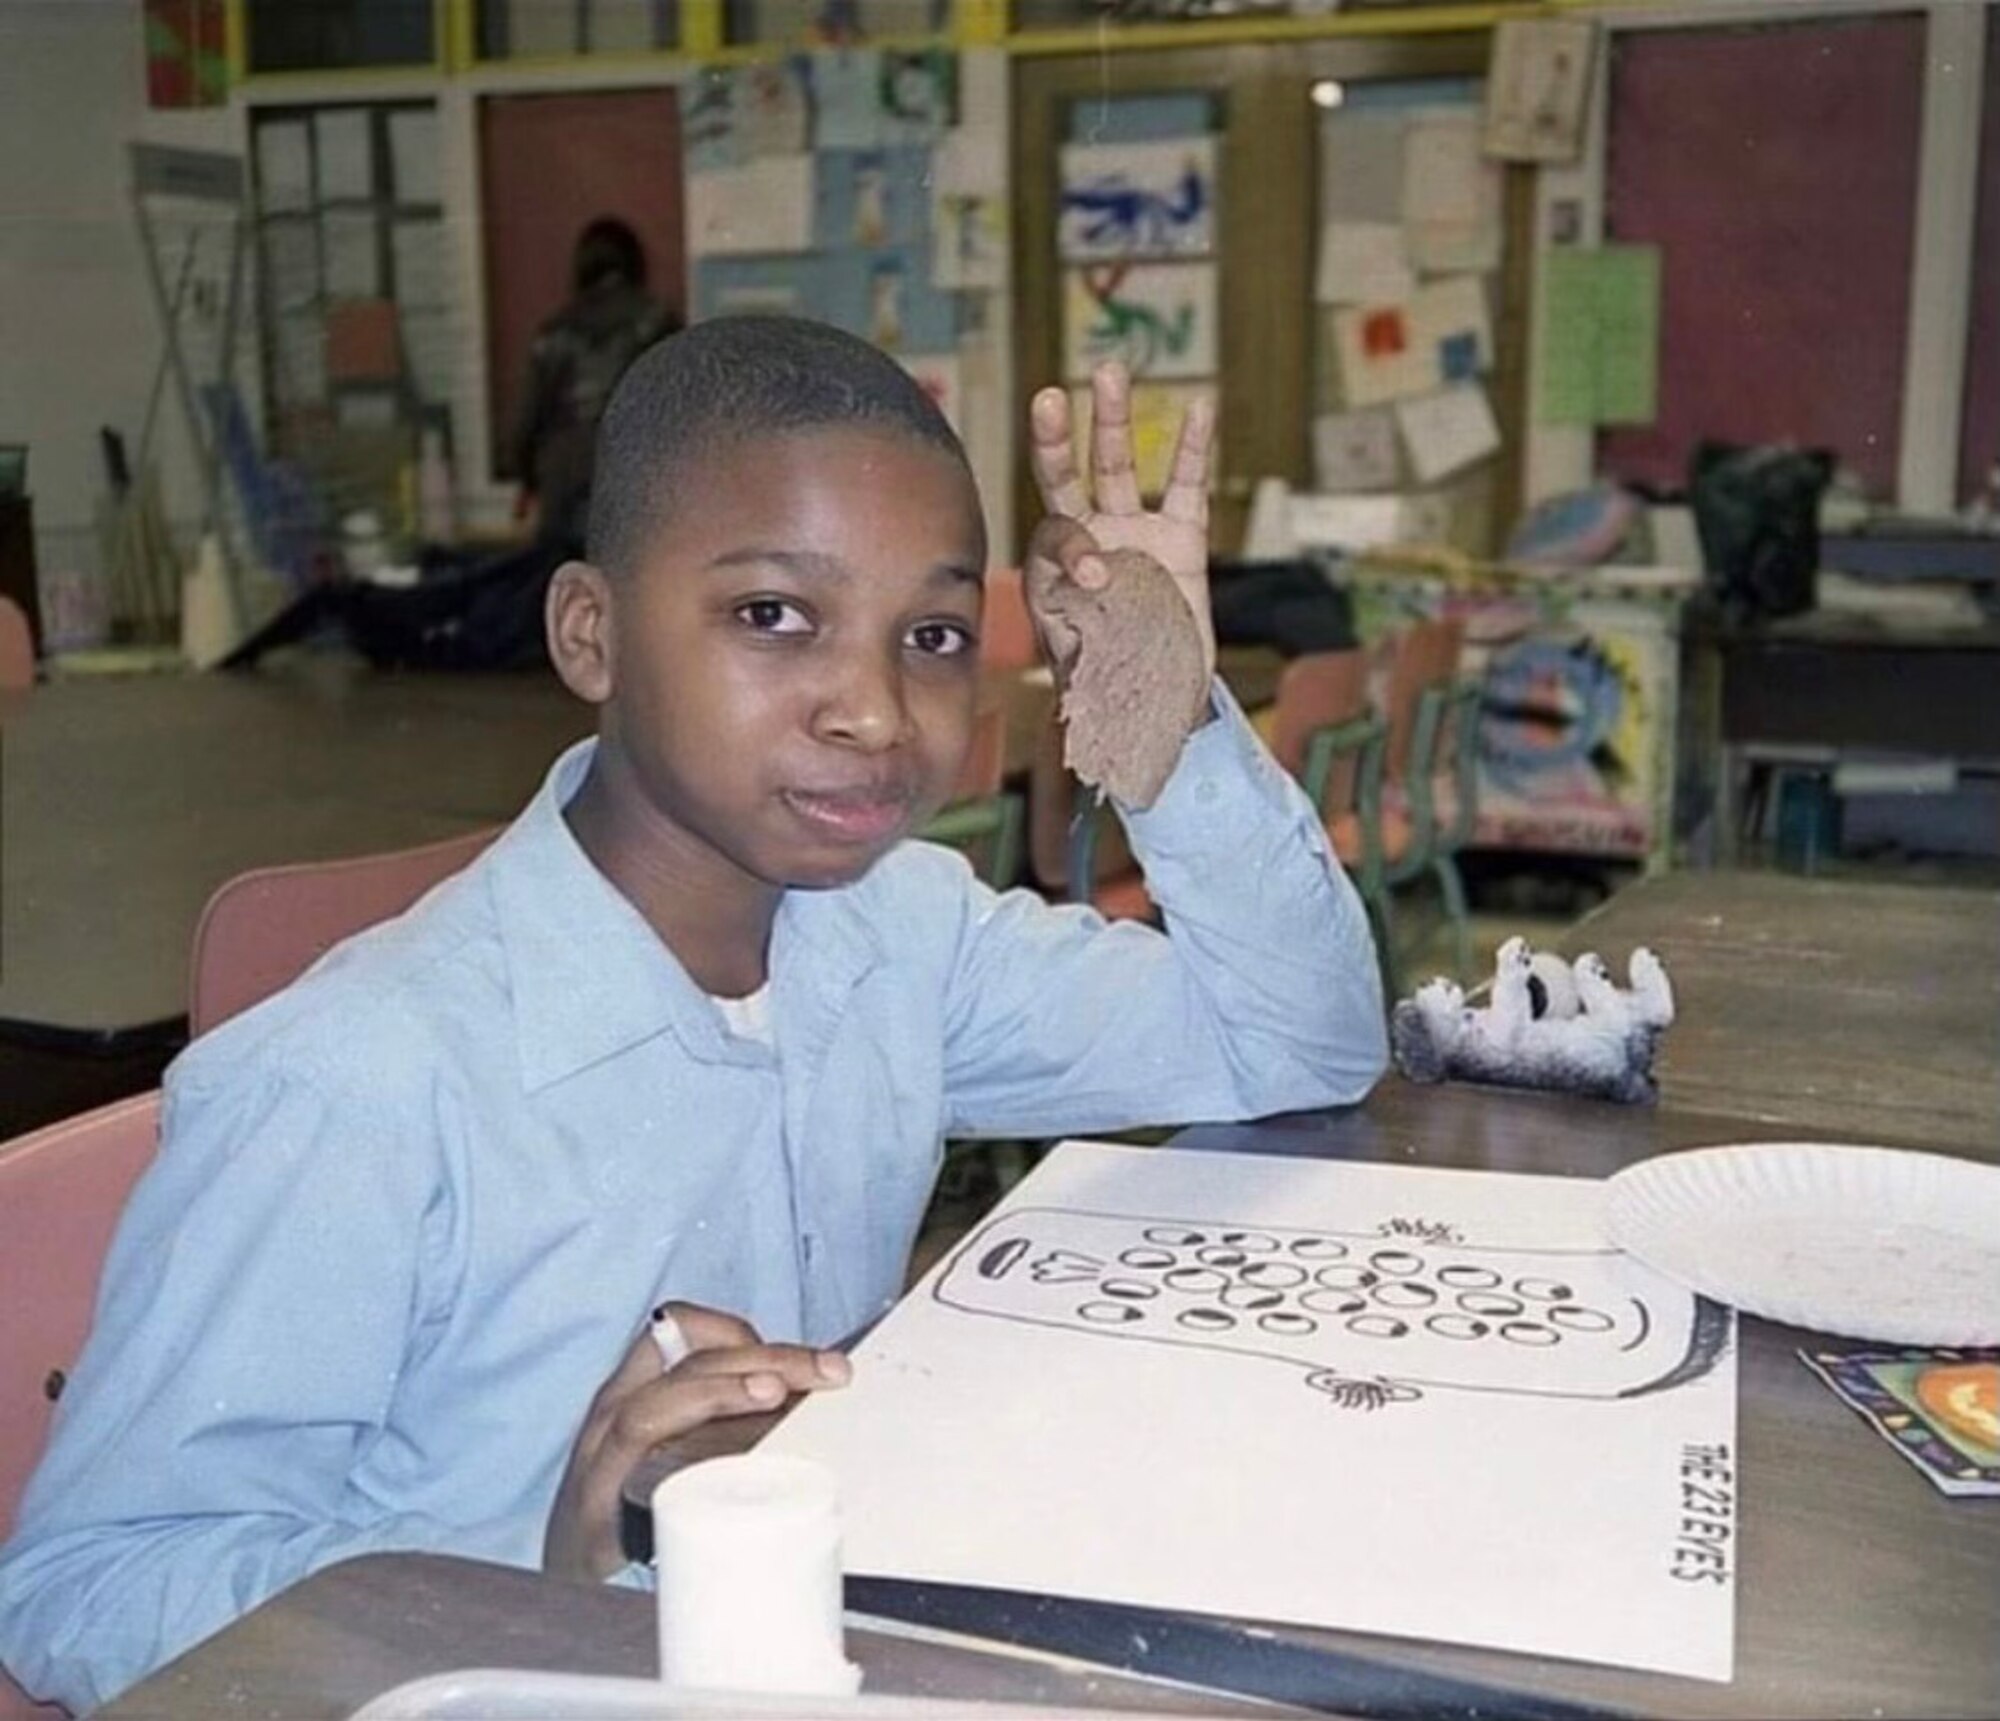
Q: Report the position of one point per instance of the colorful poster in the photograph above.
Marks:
(186, 62)
(916, 95)
(1137, 199)
(847, 99)
(1159, 318)
(870, 198)
(1157, 411)
(1388, 352)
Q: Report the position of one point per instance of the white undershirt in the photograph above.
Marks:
(748, 1018)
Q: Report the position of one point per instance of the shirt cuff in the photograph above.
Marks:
(1224, 776)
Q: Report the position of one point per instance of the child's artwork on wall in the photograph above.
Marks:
(916, 95)
(711, 138)
(847, 99)
(1450, 1407)
(1451, 194)
(1159, 318)
(1390, 351)
(764, 205)
(870, 197)
(1356, 451)
(1137, 199)
(1157, 411)
(773, 111)
(1538, 88)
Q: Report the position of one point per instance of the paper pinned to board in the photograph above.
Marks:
(1355, 451)
(1387, 352)
(1451, 194)
(1242, 1375)
(1538, 88)
(763, 205)
(1600, 336)
(1447, 431)
(1363, 263)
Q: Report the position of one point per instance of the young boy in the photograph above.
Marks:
(692, 1031)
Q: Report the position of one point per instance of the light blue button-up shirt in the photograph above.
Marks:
(408, 1215)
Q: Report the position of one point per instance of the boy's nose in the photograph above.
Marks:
(865, 708)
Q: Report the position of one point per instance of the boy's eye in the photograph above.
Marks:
(773, 615)
(942, 638)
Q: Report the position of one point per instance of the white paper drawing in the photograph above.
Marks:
(1447, 431)
(1538, 88)
(968, 240)
(1159, 318)
(1362, 263)
(765, 205)
(1451, 193)
(1424, 1385)
(1355, 451)
(1137, 199)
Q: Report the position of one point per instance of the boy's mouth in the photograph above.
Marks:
(851, 815)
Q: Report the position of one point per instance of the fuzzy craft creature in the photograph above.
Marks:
(1565, 1027)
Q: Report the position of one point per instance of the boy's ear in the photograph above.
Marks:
(578, 618)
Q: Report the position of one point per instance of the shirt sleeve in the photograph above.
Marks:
(256, 1309)
(1262, 995)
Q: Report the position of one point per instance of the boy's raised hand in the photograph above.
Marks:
(729, 1371)
(1109, 513)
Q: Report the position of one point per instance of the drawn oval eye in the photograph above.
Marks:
(1147, 1260)
(1333, 1302)
(1250, 1297)
(1279, 1275)
(1457, 1327)
(1378, 1326)
(1111, 1314)
(1462, 1278)
(1132, 1290)
(1490, 1303)
(1173, 1236)
(1286, 1325)
(1396, 1261)
(1207, 1320)
(1255, 1241)
(1196, 1280)
(1531, 1334)
(1579, 1319)
(1217, 1257)
(1318, 1249)
(1544, 1290)
(1401, 1294)
(1345, 1278)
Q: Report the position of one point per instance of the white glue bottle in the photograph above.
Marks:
(748, 1554)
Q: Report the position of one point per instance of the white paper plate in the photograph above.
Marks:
(1868, 1242)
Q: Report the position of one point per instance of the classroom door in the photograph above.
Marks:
(1255, 101)
(549, 166)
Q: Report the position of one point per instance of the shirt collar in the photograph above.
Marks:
(589, 976)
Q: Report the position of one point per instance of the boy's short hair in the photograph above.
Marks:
(731, 380)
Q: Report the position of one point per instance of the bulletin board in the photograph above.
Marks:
(1776, 170)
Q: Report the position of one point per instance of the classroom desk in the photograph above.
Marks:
(1808, 689)
(353, 1631)
(1812, 1005)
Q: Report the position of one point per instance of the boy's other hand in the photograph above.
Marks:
(728, 1372)
(1109, 513)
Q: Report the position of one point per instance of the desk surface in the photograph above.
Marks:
(125, 802)
(1815, 1006)
(353, 1631)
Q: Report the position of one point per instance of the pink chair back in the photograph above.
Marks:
(1426, 653)
(1321, 688)
(17, 647)
(61, 1191)
(263, 929)
(1006, 635)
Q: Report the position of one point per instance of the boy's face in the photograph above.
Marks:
(793, 667)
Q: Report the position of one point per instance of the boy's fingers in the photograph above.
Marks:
(1186, 497)
(802, 1363)
(1114, 477)
(708, 1329)
(675, 1403)
(1062, 549)
(1052, 455)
